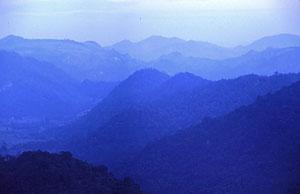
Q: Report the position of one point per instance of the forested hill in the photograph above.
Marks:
(254, 149)
(45, 173)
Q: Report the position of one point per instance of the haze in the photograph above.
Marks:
(226, 22)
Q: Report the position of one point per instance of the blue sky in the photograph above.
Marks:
(226, 22)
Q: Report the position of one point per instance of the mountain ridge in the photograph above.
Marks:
(160, 46)
(253, 149)
(80, 60)
(147, 115)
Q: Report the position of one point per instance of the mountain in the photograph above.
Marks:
(97, 90)
(131, 92)
(35, 96)
(176, 62)
(267, 62)
(210, 99)
(88, 60)
(34, 89)
(81, 61)
(42, 172)
(276, 41)
(157, 46)
(254, 149)
(149, 105)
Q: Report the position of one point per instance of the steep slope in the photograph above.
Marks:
(82, 61)
(132, 92)
(128, 119)
(97, 90)
(134, 122)
(267, 62)
(42, 172)
(254, 149)
(149, 105)
(211, 99)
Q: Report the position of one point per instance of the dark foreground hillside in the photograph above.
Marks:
(254, 149)
(45, 173)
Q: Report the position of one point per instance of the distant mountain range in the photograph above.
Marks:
(86, 60)
(266, 62)
(254, 149)
(277, 41)
(155, 46)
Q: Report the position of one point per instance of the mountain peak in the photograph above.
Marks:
(155, 37)
(123, 43)
(92, 44)
(148, 73)
(184, 81)
(161, 39)
(143, 80)
(276, 41)
(186, 75)
(10, 38)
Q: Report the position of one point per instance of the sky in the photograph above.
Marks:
(224, 22)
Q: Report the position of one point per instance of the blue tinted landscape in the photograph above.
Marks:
(137, 102)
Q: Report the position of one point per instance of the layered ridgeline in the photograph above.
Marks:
(42, 172)
(150, 104)
(36, 95)
(254, 149)
(156, 46)
(33, 89)
(86, 60)
(266, 62)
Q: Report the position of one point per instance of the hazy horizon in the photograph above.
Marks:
(135, 41)
(226, 23)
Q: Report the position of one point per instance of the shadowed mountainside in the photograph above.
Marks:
(42, 172)
(254, 149)
(149, 105)
(35, 96)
